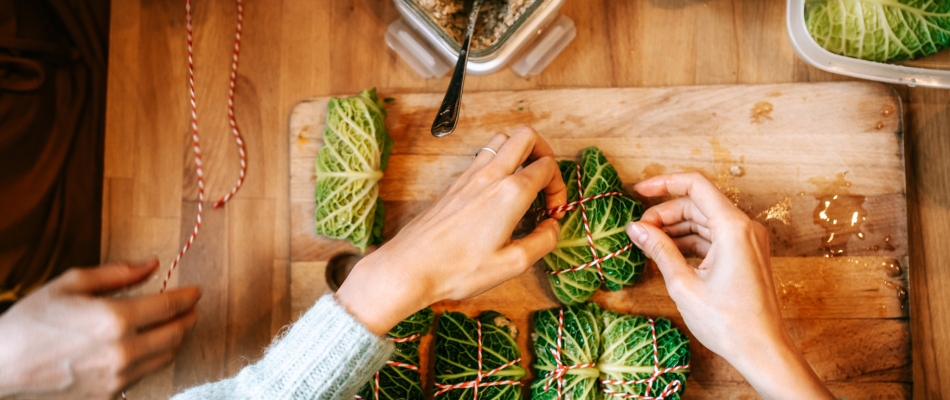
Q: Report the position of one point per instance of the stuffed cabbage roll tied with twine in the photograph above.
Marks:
(477, 358)
(879, 30)
(643, 358)
(349, 167)
(567, 345)
(400, 378)
(593, 246)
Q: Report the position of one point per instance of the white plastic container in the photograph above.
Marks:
(531, 43)
(814, 54)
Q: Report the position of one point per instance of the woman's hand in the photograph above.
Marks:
(63, 341)
(729, 301)
(461, 245)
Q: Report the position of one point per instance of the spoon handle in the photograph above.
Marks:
(448, 116)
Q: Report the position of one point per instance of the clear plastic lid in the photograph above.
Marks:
(931, 71)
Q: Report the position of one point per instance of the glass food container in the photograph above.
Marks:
(529, 45)
(930, 71)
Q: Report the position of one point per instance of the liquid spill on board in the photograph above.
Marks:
(840, 213)
(761, 111)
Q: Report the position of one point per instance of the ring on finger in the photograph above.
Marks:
(488, 149)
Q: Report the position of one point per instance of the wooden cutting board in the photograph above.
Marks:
(795, 157)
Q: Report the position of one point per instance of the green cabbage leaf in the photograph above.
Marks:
(580, 344)
(456, 355)
(608, 217)
(397, 382)
(349, 167)
(628, 353)
(880, 30)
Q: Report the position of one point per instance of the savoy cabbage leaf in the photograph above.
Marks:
(880, 30)
(580, 344)
(608, 217)
(456, 355)
(396, 382)
(349, 167)
(628, 354)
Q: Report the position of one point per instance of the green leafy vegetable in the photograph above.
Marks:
(880, 30)
(349, 167)
(608, 217)
(456, 355)
(628, 354)
(580, 344)
(396, 382)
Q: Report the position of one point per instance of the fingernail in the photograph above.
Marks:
(637, 233)
(557, 227)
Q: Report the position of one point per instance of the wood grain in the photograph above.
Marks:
(848, 315)
(297, 49)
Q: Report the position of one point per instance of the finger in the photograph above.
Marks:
(160, 339)
(692, 244)
(660, 248)
(483, 157)
(523, 145)
(153, 309)
(708, 199)
(687, 228)
(543, 174)
(106, 278)
(147, 367)
(673, 212)
(524, 252)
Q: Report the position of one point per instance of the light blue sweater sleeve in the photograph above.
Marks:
(327, 354)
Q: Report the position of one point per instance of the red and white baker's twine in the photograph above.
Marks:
(557, 375)
(199, 171)
(194, 131)
(391, 363)
(590, 238)
(671, 388)
(477, 383)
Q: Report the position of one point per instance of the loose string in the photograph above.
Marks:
(671, 388)
(242, 154)
(477, 383)
(558, 373)
(196, 144)
(395, 364)
(590, 238)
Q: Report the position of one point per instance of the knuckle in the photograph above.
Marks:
(119, 356)
(112, 325)
(73, 276)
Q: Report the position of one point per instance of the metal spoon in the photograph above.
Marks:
(448, 116)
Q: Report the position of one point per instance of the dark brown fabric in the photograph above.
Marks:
(52, 112)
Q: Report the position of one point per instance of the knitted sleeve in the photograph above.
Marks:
(327, 354)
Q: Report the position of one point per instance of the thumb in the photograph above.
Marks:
(526, 251)
(659, 247)
(107, 278)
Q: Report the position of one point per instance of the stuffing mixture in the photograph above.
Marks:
(494, 18)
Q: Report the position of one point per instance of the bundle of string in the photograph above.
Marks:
(395, 364)
(579, 204)
(477, 382)
(232, 121)
(557, 375)
(671, 388)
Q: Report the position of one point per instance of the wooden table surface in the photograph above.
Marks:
(295, 49)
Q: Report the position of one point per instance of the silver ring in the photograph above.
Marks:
(486, 149)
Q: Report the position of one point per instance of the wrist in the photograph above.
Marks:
(777, 370)
(379, 295)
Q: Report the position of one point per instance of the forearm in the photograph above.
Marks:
(327, 354)
(777, 370)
